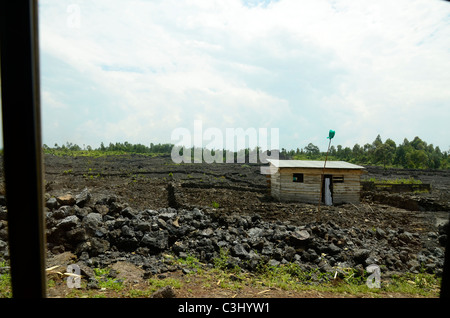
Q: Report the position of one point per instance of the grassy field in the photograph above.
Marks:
(395, 181)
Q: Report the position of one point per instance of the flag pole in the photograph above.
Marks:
(330, 136)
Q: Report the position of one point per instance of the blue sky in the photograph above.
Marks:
(115, 71)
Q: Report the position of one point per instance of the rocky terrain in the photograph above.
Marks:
(137, 209)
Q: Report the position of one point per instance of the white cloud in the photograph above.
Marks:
(301, 66)
(51, 100)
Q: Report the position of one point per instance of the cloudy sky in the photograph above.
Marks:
(116, 71)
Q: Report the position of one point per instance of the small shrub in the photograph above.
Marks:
(215, 205)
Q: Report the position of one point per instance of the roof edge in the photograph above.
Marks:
(314, 164)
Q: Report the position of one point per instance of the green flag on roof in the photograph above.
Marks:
(331, 134)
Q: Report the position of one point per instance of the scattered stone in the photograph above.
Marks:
(62, 259)
(93, 220)
(86, 271)
(333, 249)
(379, 233)
(3, 246)
(155, 241)
(52, 203)
(255, 232)
(68, 222)
(101, 208)
(98, 246)
(106, 231)
(83, 198)
(128, 213)
(238, 250)
(207, 232)
(299, 236)
(406, 237)
(62, 212)
(92, 284)
(164, 292)
(360, 255)
(273, 262)
(76, 235)
(66, 199)
(3, 214)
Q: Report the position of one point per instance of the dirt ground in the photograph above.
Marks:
(151, 183)
(192, 286)
(142, 182)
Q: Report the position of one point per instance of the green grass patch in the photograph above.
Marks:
(5, 281)
(423, 284)
(191, 262)
(226, 275)
(215, 205)
(410, 180)
(105, 281)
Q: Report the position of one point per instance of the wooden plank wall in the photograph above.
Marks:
(308, 191)
(275, 185)
(349, 191)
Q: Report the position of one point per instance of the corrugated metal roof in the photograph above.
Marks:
(313, 164)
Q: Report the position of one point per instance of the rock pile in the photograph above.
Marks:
(106, 231)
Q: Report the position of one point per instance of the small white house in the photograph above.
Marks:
(300, 180)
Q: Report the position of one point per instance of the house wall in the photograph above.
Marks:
(349, 191)
(308, 191)
(275, 185)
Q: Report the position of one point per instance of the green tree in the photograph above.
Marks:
(391, 143)
(339, 152)
(418, 143)
(435, 157)
(434, 160)
(445, 162)
(312, 151)
(384, 153)
(368, 152)
(377, 142)
(358, 153)
(400, 156)
(332, 150)
(346, 153)
(416, 159)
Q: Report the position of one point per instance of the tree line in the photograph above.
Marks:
(415, 154)
(112, 148)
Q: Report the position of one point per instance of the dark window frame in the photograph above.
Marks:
(338, 179)
(298, 177)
